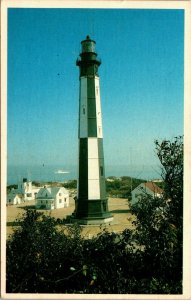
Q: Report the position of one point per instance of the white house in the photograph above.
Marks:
(14, 198)
(52, 198)
(28, 191)
(25, 192)
(146, 188)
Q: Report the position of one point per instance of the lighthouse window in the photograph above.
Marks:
(97, 90)
(84, 110)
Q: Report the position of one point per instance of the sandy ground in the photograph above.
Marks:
(118, 207)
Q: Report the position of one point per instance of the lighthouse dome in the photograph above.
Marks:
(88, 45)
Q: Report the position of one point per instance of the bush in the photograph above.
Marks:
(70, 184)
(41, 258)
(159, 222)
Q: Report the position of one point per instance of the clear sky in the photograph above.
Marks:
(141, 81)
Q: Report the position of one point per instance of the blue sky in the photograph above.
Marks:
(141, 81)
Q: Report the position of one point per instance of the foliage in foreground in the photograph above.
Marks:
(42, 258)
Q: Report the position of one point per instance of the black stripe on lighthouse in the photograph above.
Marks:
(91, 100)
(83, 169)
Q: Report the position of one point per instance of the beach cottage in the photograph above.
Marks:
(13, 198)
(146, 188)
(52, 198)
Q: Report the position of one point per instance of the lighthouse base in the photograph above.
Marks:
(91, 212)
(89, 221)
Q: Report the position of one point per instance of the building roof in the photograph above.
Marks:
(51, 192)
(153, 187)
(12, 196)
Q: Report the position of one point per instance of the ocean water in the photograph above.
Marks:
(44, 173)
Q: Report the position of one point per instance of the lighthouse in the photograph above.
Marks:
(91, 205)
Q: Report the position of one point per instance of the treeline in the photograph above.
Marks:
(121, 187)
(11, 186)
(115, 187)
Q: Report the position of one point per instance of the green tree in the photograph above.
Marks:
(171, 157)
(159, 224)
(70, 184)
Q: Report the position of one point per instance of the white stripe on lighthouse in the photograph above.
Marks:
(93, 169)
(92, 148)
(98, 108)
(83, 132)
(93, 189)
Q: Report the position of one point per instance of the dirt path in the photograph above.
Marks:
(118, 207)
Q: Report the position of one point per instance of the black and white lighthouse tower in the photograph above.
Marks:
(91, 203)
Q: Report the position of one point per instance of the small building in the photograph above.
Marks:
(27, 189)
(13, 198)
(146, 188)
(52, 198)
